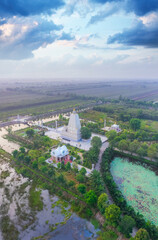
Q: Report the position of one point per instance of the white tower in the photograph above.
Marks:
(73, 130)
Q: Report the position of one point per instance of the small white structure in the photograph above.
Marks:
(60, 154)
(115, 127)
(73, 130)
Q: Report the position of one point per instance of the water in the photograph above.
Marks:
(55, 220)
(138, 185)
(56, 225)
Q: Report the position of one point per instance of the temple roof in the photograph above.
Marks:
(60, 151)
(115, 126)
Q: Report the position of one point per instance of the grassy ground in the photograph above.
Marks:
(41, 108)
(150, 125)
(93, 115)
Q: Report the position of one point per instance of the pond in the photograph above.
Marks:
(139, 186)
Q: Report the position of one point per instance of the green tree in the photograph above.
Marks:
(135, 124)
(46, 141)
(33, 154)
(21, 156)
(85, 133)
(91, 198)
(96, 141)
(9, 130)
(111, 135)
(83, 171)
(80, 178)
(107, 235)
(58, 165)
(123, 145)
(68, 166)
(71, 183)
(15, 153)
(102, 202)
(74, 167)
(62, 165)
(112, 214)
(30, 132)
(60, 117)
(133, 146)
(141, 152)
(152, 151)
(44, 169)
(27, 159)
(51, 171)
(81, 188)
(35, 164)
(142, 234)
(96, 182)
(41, 160)
(22, 149)
(61, 178)
(126, 225)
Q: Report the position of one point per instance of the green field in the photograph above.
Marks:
(150, 125)
(36, 97)
(92, 115)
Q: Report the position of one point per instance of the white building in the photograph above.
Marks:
(72, 132)
(60, 154)
(115, 127)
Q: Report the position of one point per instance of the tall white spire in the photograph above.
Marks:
(73, 130)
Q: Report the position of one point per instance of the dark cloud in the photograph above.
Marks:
(22, 42)
(139, 7)
(10, 8)
(140, 35)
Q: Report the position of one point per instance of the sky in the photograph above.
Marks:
(93, 39)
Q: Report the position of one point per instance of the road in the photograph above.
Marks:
(102, 149)
(104, 146)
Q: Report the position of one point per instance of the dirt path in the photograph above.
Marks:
(98, 167)
(102, 149)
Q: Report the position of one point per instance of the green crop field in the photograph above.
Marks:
(19, 97)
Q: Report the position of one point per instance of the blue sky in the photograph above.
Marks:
(103, 39)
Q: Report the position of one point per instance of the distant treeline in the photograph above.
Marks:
(125, 113)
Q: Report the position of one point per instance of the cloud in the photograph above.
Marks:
(80, 7)
(139, 7)
(66, 36)
(19, 38)
(9, 8)
(145, 35)
(104, 14)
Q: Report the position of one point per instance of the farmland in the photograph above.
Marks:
(37, 97)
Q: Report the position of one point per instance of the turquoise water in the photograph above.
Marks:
(138, 185)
